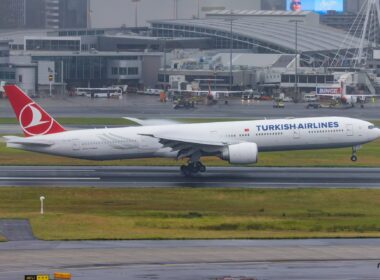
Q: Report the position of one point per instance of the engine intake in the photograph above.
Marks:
(243, 153)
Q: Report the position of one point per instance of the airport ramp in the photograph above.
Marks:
(16, 230)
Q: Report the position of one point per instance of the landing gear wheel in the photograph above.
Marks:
(186, 170)
(354, 150)
(202, 169)
(193, 168)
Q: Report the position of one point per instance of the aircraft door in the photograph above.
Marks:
(296, 134)
(360, 131)
(349, 130)
(145, 142)
(76, 145)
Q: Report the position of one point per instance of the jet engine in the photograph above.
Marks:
(243, 153)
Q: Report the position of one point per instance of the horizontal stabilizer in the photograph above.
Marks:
(27, 141)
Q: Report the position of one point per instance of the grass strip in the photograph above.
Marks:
(95, 214)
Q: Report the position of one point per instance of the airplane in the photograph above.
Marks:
(340, 94)
(238, 142)
(348, 99)
(212, 95)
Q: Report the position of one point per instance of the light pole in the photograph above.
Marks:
(214, 78)
(165, 64)
(231, 19)
(136, 11)
(296, 21)
(198, 9)
(175, 9)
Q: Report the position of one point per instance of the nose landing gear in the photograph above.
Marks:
(354, 158)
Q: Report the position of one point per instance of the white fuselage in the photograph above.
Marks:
(269, 135)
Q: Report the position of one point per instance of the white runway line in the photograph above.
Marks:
(47, 178)
(48, 170)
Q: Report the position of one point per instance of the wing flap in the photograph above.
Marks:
(173, 141)
(187, 147)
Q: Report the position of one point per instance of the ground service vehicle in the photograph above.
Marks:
(313, 105)
(113, 92)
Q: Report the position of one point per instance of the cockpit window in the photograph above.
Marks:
(371, 127)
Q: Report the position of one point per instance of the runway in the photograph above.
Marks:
(209, 259)
(170, 177)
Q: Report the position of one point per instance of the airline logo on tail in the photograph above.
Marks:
(33, 119)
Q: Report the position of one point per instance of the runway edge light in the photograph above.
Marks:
(62, 275)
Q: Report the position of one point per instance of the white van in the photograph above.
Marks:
(310, 98)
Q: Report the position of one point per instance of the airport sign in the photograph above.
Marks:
(329, 90)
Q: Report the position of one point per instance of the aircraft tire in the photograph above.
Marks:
(354, 158)
(200, 167)
(186, 170)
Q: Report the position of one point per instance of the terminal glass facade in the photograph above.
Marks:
(7, 75)
(52, 45)
(91, 70)
(308, 79)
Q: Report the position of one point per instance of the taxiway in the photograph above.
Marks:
(141, 106)
(209, 259)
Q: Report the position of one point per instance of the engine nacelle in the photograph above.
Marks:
(243, 153)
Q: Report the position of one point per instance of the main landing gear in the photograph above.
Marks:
(193, 168)
(354, 158)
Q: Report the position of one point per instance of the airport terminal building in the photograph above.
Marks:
(143, 56)
(263, 32)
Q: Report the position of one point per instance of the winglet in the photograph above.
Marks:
(32, 118)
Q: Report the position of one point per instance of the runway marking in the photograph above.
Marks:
(47, 170)
(242, 183)
(47, 178)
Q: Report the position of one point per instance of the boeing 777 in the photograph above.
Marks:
(238, 142)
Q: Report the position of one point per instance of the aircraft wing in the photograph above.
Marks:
(152, 122)
(27, 141)
(364, 95)
(187, 146)
(329, 95)
(229, 91)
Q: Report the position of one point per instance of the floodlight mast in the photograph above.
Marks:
(231, 19)
(296, 21)
(136, 11)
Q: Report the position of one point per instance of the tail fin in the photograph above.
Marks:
(33, 119)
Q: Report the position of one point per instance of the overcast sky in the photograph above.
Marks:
(114, 13)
